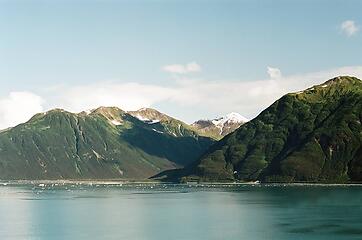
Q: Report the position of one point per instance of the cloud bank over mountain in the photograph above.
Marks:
(18, 107)
(186, 98)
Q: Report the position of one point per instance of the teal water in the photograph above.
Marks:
(180, 212)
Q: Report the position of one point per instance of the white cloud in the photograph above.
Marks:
(182, 69)
(249, 98)
(349, 28)
(206, 98)
(18, 107)
(187, 98)
(274, 73)
(127, 96)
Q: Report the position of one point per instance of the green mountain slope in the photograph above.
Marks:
(106, 143)
(313, 136)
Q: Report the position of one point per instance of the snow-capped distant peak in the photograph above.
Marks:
(229, 118)
(236, 117)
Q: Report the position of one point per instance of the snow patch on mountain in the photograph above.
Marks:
(146, 120)
(115, 122)
(155, 130)
(141, 118)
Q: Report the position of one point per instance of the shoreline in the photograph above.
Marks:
(152, 183)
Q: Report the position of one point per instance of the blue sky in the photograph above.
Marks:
(49, 47)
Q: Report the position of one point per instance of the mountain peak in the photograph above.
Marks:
(232, 117)
(149, 111)
(106, 110)
(112, 114)
(340, 82)
(342, 79)
(56, 110)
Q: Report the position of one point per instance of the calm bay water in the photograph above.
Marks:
(180, 212)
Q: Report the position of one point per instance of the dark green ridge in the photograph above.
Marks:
(310, 136)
